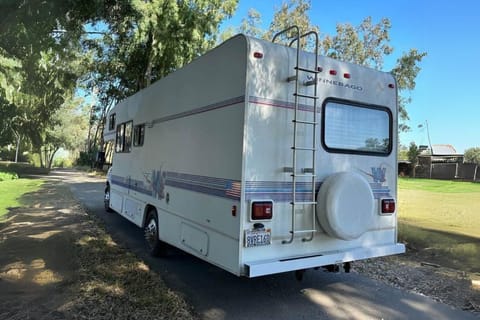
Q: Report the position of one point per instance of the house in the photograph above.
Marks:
(441, 161)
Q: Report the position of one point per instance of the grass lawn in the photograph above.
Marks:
(11, 192)
(441, 219)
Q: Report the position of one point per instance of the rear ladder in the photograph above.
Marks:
(308, 174)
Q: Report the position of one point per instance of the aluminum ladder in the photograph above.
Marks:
(308, 174)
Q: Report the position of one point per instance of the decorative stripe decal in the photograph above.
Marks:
(279, 191)
(280, 104)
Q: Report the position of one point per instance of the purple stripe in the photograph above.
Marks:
(280, 104)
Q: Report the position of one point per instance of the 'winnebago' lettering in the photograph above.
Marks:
(340, 84)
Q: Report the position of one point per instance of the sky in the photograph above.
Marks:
(447, 91)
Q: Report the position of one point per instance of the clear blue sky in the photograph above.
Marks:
(447, 93)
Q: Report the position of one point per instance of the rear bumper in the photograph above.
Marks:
(261, 268)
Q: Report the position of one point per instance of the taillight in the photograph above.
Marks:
(388, 206)
(262, 210)
(258, 55)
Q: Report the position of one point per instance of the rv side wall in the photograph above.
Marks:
(190, 165)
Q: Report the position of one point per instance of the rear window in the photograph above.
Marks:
(354, 128)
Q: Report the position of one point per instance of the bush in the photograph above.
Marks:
(4, 176)
(62, 163)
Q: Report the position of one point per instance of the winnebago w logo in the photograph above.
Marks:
(378, 174)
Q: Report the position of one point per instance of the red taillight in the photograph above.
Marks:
(346, 75)
(262, 210)
(391, 85)
(388, 206)
(333, 72)
(258, 55)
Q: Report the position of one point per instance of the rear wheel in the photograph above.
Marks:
(155, 246)
(106, 199)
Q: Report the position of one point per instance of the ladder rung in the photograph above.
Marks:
(303, 231)
(305, 122)
(303, 203)
(304, 148)
(306, 70)
(308, 170)
(287, 169)
(303, 175)
(309, 83)
(291, 78)
(305, 96)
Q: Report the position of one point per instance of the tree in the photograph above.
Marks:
(472, 155)
(413, 153)
(47, 47)
(366, 44)
(142, 41)
(68, 130)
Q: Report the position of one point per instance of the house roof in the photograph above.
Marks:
(442, 150)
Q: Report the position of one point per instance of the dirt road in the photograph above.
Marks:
(57, 263)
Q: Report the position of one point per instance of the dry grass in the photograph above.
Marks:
(114, 284)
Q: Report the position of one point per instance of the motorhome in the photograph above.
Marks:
(260, 158)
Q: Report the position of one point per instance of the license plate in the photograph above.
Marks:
(255, 238)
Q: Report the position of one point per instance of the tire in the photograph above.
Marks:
(156, 247)
(106, 199)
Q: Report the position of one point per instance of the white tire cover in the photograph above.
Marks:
(345, 205)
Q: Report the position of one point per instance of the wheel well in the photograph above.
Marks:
(148, 207)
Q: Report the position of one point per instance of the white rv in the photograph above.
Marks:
(260, 158)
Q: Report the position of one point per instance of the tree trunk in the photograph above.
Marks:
(50, 160)
(19, 139)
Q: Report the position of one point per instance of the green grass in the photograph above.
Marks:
(440, 186)
(441, 221)
(11, 192)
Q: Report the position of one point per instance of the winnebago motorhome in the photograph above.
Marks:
(260, 158)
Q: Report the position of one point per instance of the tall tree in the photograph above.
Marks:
(118, 46)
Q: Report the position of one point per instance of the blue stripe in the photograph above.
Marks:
(280, 191)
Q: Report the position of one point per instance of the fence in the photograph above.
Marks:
(449, 171)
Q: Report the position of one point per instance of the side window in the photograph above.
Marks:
(358, 129)
(111, 121)
(120, 138)
(128, 136)
(138, 135)
(123, 139)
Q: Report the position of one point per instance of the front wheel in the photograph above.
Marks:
(106, 199)
(155, 246)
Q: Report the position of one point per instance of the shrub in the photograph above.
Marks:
(4, 176)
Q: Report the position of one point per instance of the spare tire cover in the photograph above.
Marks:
(345, 205)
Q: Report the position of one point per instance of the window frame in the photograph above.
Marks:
(112, 119)
(123, 140)
(139, 135)
(352, 104)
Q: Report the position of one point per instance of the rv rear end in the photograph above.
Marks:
(320, 168)
(261, 159)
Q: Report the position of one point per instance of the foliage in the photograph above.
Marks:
(472, 155)
(367, 44)
(113, 48)
(413, 153)
(8, 176)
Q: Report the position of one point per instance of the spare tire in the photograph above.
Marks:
(345, 205)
